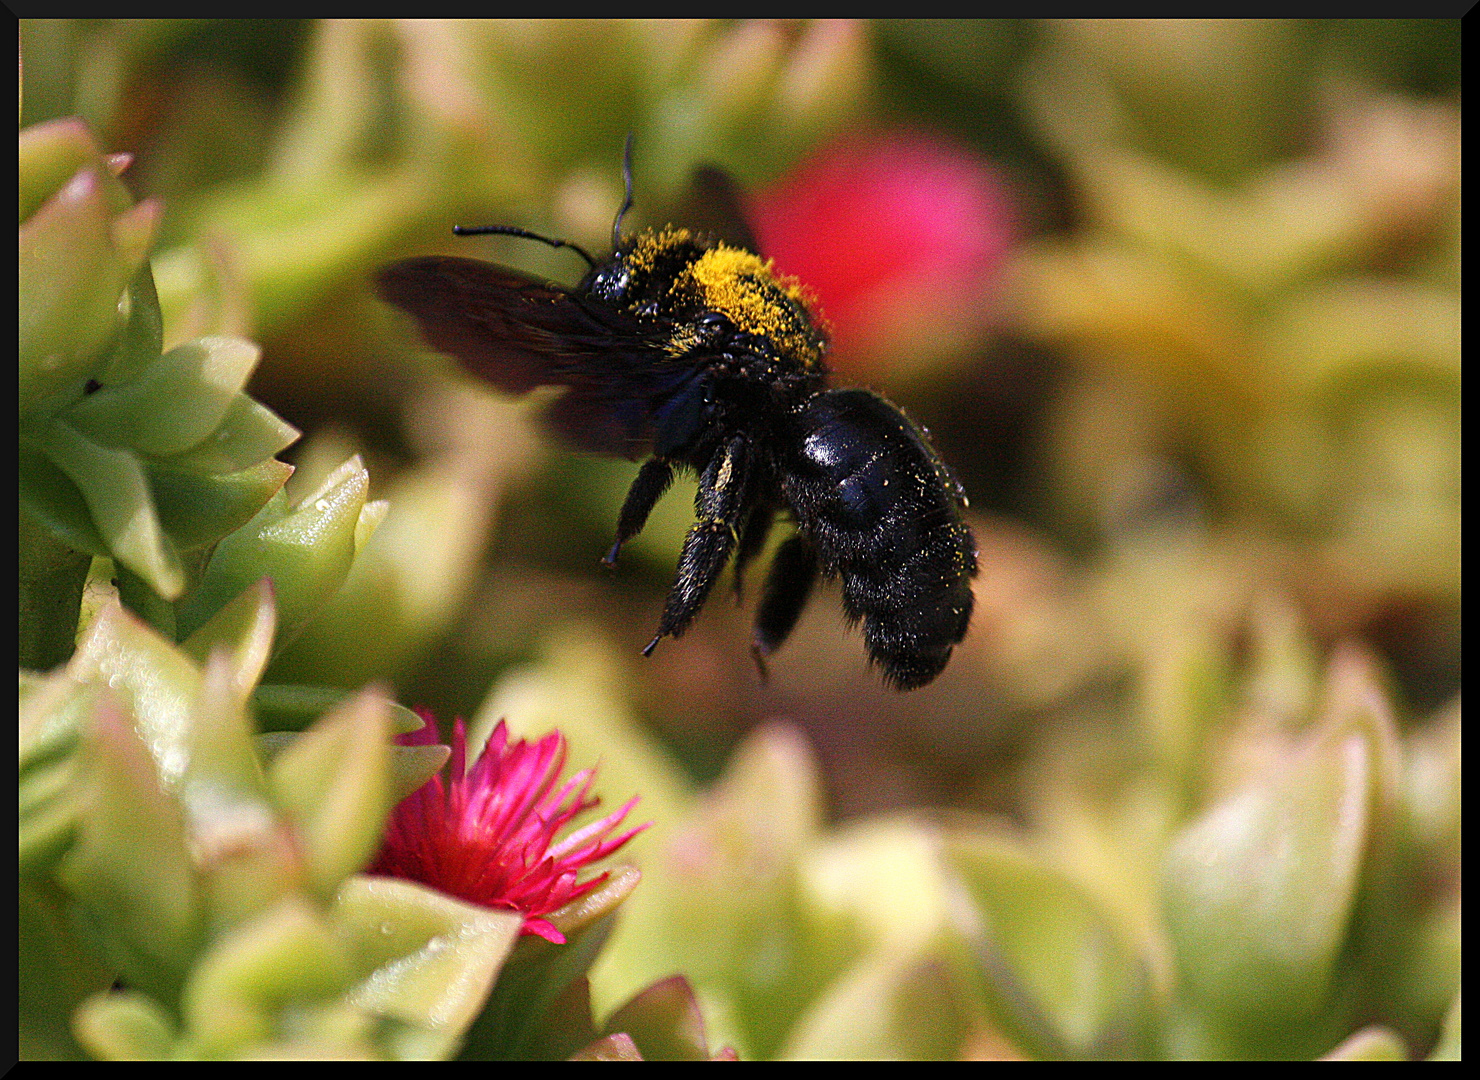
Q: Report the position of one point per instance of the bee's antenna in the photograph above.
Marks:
(514, 230)
(627, 200)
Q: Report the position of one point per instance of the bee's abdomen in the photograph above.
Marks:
(885, 517)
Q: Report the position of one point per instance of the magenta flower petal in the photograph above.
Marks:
(544, 930)
(487, 834)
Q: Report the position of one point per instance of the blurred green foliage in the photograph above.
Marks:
(1190, 789)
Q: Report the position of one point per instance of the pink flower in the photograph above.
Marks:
(898, 235)
(487, 834)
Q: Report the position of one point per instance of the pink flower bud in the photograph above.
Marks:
(896, 234)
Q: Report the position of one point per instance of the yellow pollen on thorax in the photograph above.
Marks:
(743, 288)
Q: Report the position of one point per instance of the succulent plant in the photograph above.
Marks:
(190, 887)
(1294, 318)
(1257, 897)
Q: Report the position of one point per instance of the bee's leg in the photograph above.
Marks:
(752, 538)
(709, 541)
(788, 585)
(652, 480)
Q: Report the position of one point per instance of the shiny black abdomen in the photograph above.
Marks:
(885, 516)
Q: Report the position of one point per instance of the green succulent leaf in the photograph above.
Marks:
(306, 549)
(892, 1006)
(108, 500)
(618, 1047)
(1385, 931)
(412, 766)
(334, 783)
(198, 727)
(371, 515)
(131, 869)
(856, 885)
(49, 496)
(426, 959)
(1370, 1044)
(596, 907)
(290, 708)
(52, 580)
(538, 972)
(53, 712)
(1258, 892)
(55, 972)
(197, 510)
(1058, 977)
(135, 594)
(251, 986)
(248, 434)
(1432, 802)
(244, 629)
(49, 155)
(1285, 888)
(159, 683)
(115, 487)
(725, 885)
(566, 1026)
(175, 403)
(664, 1022)
(124, 1025)
(223, 789)
(1449, 1039)
(141, 337)
(47, 816)
(247, 854)
(1425, 977)
(124, 452)
(77, 255)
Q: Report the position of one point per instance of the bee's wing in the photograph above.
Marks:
(517, 332)
(716, 206)
(510, 329)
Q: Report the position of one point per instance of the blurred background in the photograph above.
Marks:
(1177, 301)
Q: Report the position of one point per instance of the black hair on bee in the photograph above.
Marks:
(696, 354)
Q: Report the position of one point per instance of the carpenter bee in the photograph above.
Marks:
(693, 352)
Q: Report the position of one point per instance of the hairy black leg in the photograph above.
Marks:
(709, 540)
(652, 480)
(752, 539)
(788, 584)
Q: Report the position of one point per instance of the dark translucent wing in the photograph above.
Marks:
(506, 327)
(716, 206)
(517, 332)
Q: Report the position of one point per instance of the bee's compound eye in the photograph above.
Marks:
(611, 282)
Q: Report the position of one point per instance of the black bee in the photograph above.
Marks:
(696, 352)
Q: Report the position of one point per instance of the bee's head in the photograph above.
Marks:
(644, 267)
